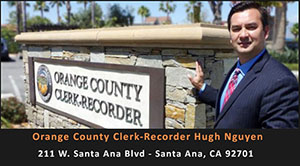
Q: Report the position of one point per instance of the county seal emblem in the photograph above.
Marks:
(44, 83)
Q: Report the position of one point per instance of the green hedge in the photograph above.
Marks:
(287, 56)
(12, 111)
(9, 36)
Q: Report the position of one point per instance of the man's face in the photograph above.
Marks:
(247, 33)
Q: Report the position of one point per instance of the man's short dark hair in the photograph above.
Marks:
(249, 5)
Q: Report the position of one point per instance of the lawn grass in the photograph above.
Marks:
(292, 66)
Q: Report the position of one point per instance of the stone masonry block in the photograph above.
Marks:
(201, 52)
(226, 55)
(124, 61)
(40, 120)
(188, 62)
(25, 56)
(200, 116)
(216, 74)
(174, 112)
(175, 94)
(183, 61)
(228, 63)
(172, 123)
(176, 103)
(81, 57)
(170, 61)
(142, 51)
(117, 49)
(46, 118)
(177, 76)
(174, 52)
(29, 112)
(190, 117)
(97, 57)
(57, 51)
(34, 51)
(195, 116)
(149, 60)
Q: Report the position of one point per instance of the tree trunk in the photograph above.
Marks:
(85, 3)
(216, 9)
(279, 28)
(42, 13)
(24, 16)
(93, 13)
(196, 12)
(68, 12)
(18, 10)
(58, 16)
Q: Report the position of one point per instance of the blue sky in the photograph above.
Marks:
(179, 17)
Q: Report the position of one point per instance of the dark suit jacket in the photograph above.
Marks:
(267, 97)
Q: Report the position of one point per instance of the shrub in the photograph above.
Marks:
(5, 123)
(13, 111)
(287, 56)
(9, 36)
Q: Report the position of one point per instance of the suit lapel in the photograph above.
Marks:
(250, 76)
(240, 88)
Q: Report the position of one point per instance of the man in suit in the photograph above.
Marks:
(258, 91)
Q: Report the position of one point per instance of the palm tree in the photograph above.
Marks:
(18, 6)
(216, 9)
(57, 4)
(84, 3)
(20, 11)
(93, 13)
(279, 26)
(144, 12)
(24, 16)
(68, 5)
(295, 31)
(166, 7)
(42, 7)
(194, 15)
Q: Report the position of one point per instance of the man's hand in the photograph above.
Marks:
(198, 80)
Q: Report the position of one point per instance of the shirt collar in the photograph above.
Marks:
(246, 66)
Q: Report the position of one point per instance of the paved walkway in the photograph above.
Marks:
(296, 73)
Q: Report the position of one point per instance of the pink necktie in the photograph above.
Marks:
(231, 86)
